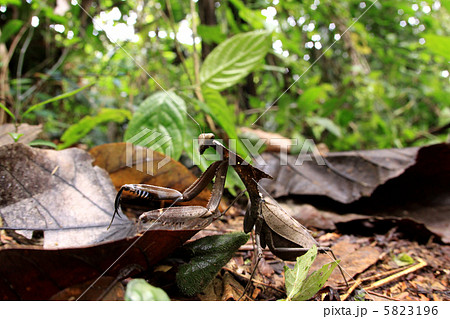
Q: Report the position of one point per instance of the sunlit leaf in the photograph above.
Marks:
(159, 123)
(295, 278)
(79, 130)
(315, 282)
(234, 59)
(9, 29)
(140, 290)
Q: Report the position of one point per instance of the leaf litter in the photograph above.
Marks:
(369, 256)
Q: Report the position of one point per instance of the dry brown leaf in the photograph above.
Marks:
(143, 168)
(58, 192)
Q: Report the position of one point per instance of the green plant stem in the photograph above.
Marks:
(19, 69)
(177, 44)
(198, 91)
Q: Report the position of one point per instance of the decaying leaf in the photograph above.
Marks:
(62, 194)
(399, 184)
(354, 260)
(105, 289)
(130, 164)
(58, 192)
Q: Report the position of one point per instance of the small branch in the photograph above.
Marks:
(19, 69)
(177, 44)
(197, 89)
(49, 74)
(384, 281)
(382, 296)
(351, 289)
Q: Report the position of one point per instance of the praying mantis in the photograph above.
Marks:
(285, 236)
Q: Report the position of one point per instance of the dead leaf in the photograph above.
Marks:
(115, 293)
(145, 166)
(342, 176)
(408, 186)
(34, 273)
(72, 204)
(354, 260)
(30, 132)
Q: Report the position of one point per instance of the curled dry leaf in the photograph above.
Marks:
(398, 184)
(59, 193)
(63, 195)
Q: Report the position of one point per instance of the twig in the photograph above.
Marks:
(177, 44)
(197, 89)
(384, 281)
(48, 75)
(254, 280)
(382, 296)
(387, 273)
(350, 290)
(19, 69)
(4, 86)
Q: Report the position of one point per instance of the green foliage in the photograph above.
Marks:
(140, 290)
(403, 259)
(208, 256)
(383, 84)
(15, 136)
(9, 29)
(7, 111)
(54, 99)
(79, 130)
(159, 123)
(298, 285)
(438, 45)
(234, 59)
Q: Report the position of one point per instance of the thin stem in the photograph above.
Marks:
(196, 57)
(177, 44)
(19, 69)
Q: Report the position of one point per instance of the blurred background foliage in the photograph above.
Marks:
(350, 74)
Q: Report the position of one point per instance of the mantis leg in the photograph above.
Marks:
(152, 192)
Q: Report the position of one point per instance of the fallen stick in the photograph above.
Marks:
(386, 280)
(350, 290)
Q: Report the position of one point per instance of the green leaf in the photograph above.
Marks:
(315, 281)
(15, 136)
(294, 278)
(43, 143)
(9, 29)
(211, 33)
(209, 255)
(159, 123)
(403, 260)
(140, 290)
(253, 17)
(325, 123)
(54, 99)
(8, 111)
(438, 44)
(217, 107)
(234, 59)
(77, 131)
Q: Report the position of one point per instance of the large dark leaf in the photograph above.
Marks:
(397, 184)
